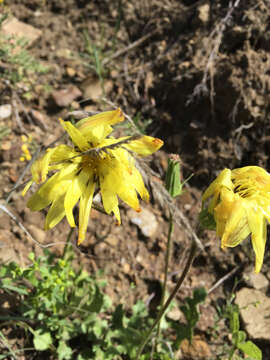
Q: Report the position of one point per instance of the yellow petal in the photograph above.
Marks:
(98, 127)
(104, 118)
(27, 187)
(37, 202)
(110, 202)
(74, 192)
(144, 146)
(257, 226)
(237, 227)
(76, 136)
(137, 181)
(58, 183)
(52, 188)
(56, 213)
(85, 207)
(40, 167)
(223, 179)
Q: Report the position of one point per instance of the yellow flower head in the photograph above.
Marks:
(240, 204)
(94, 162)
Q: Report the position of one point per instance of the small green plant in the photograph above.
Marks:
(95, 56)
(64, 313)
(17, 64)
(239, 344)
(192, 315)
(4, 132)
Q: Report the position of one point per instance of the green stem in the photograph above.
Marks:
(171, 297)
(68, 242)
(167, 261)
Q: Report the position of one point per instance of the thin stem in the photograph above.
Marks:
(171, 297)
(166, 270)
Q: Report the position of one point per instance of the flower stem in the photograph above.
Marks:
(166, 270)
(171, 297)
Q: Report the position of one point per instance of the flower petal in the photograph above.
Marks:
(144, 146)
(96, 128)
(76, 136)
(223, 179)
(56, 213)
(257, 225)
(85, 207)
(74, 192)
(110, 202)
(237, 227)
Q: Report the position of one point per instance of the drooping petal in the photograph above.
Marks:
(85, 208)
(52, 188)
(56, 213)
(237, 227)
(257, 226)
(110, 202)
(59, 182)
(137, 181)
(76, 136)
(144, 146)
(74, 192)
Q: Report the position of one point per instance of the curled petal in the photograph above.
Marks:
(144, 146)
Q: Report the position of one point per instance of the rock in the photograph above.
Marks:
(65, 97)
(37, 233)
(254, 309)
(257, 281)
(5, 111)
(112, 240)
(198, 349)
(126, 268)
(204, 13)
(14, 27)
(33, 217)
(70, 71)
(145, 220)
(92, 88)
(174, 314)
(39, 118)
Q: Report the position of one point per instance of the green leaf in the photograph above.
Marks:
(64, 352)
(250, 349)
(234, 321)
(207, 220)
(42, 341)
(199, 295)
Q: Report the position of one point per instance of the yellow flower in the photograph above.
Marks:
(240, 204)
(94, 162)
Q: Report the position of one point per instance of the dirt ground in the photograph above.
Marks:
(193, 73)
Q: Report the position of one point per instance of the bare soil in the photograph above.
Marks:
(200, 71)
